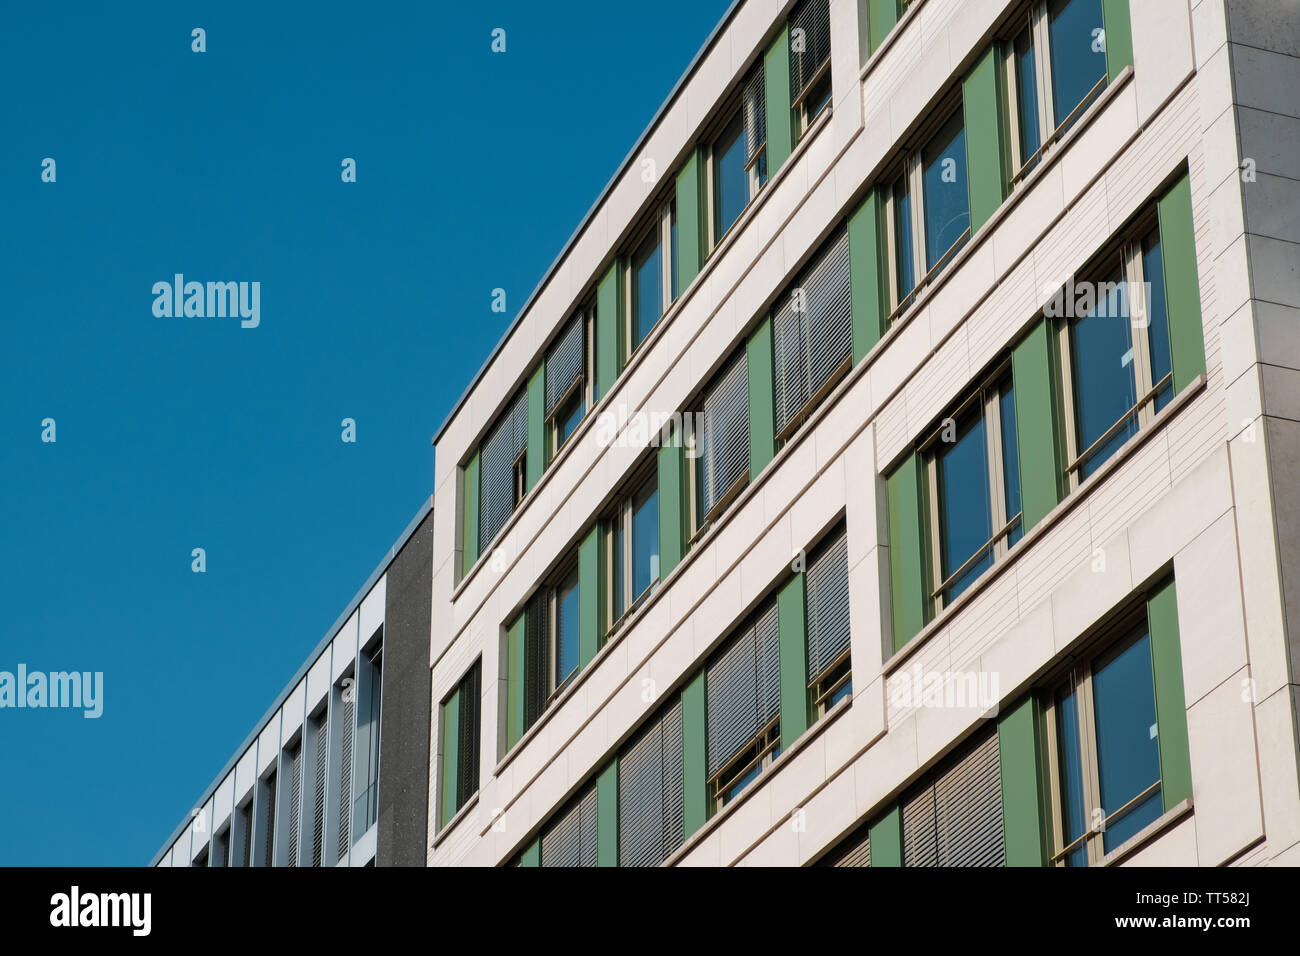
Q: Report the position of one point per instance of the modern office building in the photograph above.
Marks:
(898, 466)
(336, 772)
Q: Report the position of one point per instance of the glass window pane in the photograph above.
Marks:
(1128, 753)
(569, 417)
(906, 264)
(965, 519)
(1074, 813)
(947, 203)
(1153, 272)
(1075, 32)
(617, 547)
(1027, 96)
(645, 539)
(1105, 387)
(1010, 460)
(566, 629)
(730, 177)
(672, 251)
(647, 287)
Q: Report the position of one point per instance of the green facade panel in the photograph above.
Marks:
(985, 144)
(609, 329)
(906, 552)
(695, 781)
(469, 516)
(516, 650)
(791, 613)
(690, 220)
(884, 17)
(886, 836)
(1171, 706)
(1119, 36)
(532, 855)
(1036, 425)
(589, 588)
(1023, 797)
(450, 755)
(672, 506)
(1182, 284)
(762, 402)
(535, 457)
(866, 276)
(607, 816)
(780, 119)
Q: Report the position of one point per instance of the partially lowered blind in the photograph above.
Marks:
(724, 442)
(810, 44)
(571, 838)
(955, 817)
(754, 109)
(827, 585)
(812, 331)
(650, 792)
(508, 438)
(345, 772)
(318, 803)
(743, 687)
(564, 363)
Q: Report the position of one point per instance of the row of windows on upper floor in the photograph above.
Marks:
(1087, 377)
(329, 797)
(1050, 61)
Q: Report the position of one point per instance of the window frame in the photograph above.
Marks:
(1078, 676)
(987, 398)
(732, 114)
(663, 220)
(1129, 253)
(621, 518)
(584, 386)
(759, 754)
(555, 685)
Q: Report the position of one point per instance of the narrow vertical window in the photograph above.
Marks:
(947, 199)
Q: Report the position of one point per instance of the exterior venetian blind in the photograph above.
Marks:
(754, 110)
(812, 20)
(724, 456)
(650, 792)
(318, 816)
(295, 801)
(245, 852)
(504, 444)
(345, 776)
(537, 644)
(955, 817)
(571, 839)
(268, 818)
(565, 361)
(855, 850)
(812, 333)
(467, 754)
(743, 687)
(827, 584)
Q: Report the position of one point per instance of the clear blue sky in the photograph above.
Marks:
(172, 434)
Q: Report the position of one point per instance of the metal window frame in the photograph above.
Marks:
(986, 400)
(1078, 678)
(830, 682)
(555, 683)
(585, 384)
(621, 519)
(661, 221)
(734, 112)
(759, 753)
(807, 118)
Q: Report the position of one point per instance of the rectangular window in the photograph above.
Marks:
(460, 744)
(293, 758)
(564, 632)
(501, 476)
(370, 706)
(810, 61)
(242, 829)
(267, 808)
(1114, 345)
(652, 277)
(320, 759)
(737, 159)
(550, 644)
(651, 794)
(569, 363)
(719, 464)
(345, 701)
(1105, 750)
(954, 816)
(1055, 66)
(928, 214)
(973, 480)
(743, 706)
(572, 838)
(812, 335)
(633, 554)
(830, 676)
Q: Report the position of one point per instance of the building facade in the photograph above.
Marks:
(336, 772)
(898, 464)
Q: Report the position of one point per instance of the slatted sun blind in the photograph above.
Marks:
(724, 441)
(955, 817)
(827, 587)
(855, 850)
(754, 112)
(564, 363)
(537, 643)
(268, 819)
(810, 44)
(295, 801)
(245, 851)
(467, 752)
(812, 331)
(651, 793)
(571, 838)
(743, 687)
(345, 772)
(318, 803)
(503, 446)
